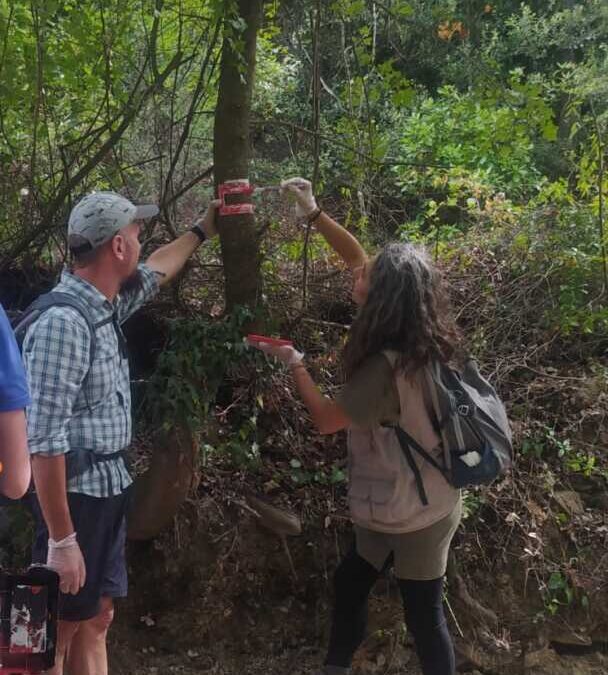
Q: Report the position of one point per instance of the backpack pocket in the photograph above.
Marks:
(479, 466)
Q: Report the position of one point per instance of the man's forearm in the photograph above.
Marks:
(51, 488)
(341, 240)
(169, 259)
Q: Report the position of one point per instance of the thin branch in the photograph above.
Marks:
(192, 109)
(333, 141)
(197, 179)
(39, 87)
(47, 222)
(600, 181)
(9, 21)
(315, 24)
(158, 7)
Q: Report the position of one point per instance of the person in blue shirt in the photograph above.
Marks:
(14, 398)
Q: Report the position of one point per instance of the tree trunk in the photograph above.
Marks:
(240, 251)
(162, 489)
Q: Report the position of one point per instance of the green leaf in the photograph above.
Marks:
(404, 9)
(550, 131)
(556, 582)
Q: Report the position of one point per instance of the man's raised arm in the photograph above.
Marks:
(168, 260)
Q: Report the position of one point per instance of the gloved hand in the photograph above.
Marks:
(65, 557)
(284, 353)
(302, 190)
(208, 222)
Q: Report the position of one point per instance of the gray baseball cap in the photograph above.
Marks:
(99, 216)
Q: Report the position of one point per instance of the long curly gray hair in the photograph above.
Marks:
(407, 310)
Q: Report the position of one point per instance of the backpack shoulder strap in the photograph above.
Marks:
(410, 445)
(60, 299)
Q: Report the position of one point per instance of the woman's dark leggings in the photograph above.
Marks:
(424, 617)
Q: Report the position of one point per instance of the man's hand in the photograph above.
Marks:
(65, 557)
(302, 191)
(208, 222)
(284, 353)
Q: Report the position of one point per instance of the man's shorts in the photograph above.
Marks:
(100, 527)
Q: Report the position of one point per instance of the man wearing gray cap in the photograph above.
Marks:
(79, 422)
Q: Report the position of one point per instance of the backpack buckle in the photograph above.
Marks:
(464, 410)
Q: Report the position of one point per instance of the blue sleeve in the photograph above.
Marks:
(13, 385)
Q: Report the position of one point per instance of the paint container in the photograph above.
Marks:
(28, 620)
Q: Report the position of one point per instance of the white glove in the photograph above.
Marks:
(302, 190)
(208, 223)
(65, 557)
(284, 353)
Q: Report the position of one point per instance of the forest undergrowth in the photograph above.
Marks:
(528, 571)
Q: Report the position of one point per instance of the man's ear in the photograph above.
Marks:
(119, 246)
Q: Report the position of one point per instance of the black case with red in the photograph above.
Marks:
(28, 620)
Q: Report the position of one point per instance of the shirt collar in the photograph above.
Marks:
(85, 291)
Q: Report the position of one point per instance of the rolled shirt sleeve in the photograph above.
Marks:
(56, 356)
(128, 302)
(13, 384)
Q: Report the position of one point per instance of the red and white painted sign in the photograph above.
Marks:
(234, 187)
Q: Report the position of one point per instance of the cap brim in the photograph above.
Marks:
(145, 211)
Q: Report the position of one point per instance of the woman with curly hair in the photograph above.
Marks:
(403, 324)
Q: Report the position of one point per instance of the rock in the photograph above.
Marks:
(563, 635)
(277, 520)
(570, 501)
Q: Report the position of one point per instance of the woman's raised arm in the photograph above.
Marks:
(340, 239)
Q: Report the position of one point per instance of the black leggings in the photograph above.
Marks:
(424, 617)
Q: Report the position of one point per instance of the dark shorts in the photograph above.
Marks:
(101, 530)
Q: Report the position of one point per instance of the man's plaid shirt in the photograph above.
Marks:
(56, 355)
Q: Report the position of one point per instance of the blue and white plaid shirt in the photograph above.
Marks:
(63, 416)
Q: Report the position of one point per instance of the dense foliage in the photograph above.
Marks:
(422, 110)
(449, 122)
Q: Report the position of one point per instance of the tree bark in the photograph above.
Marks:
(231, 151)
(162, 489)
